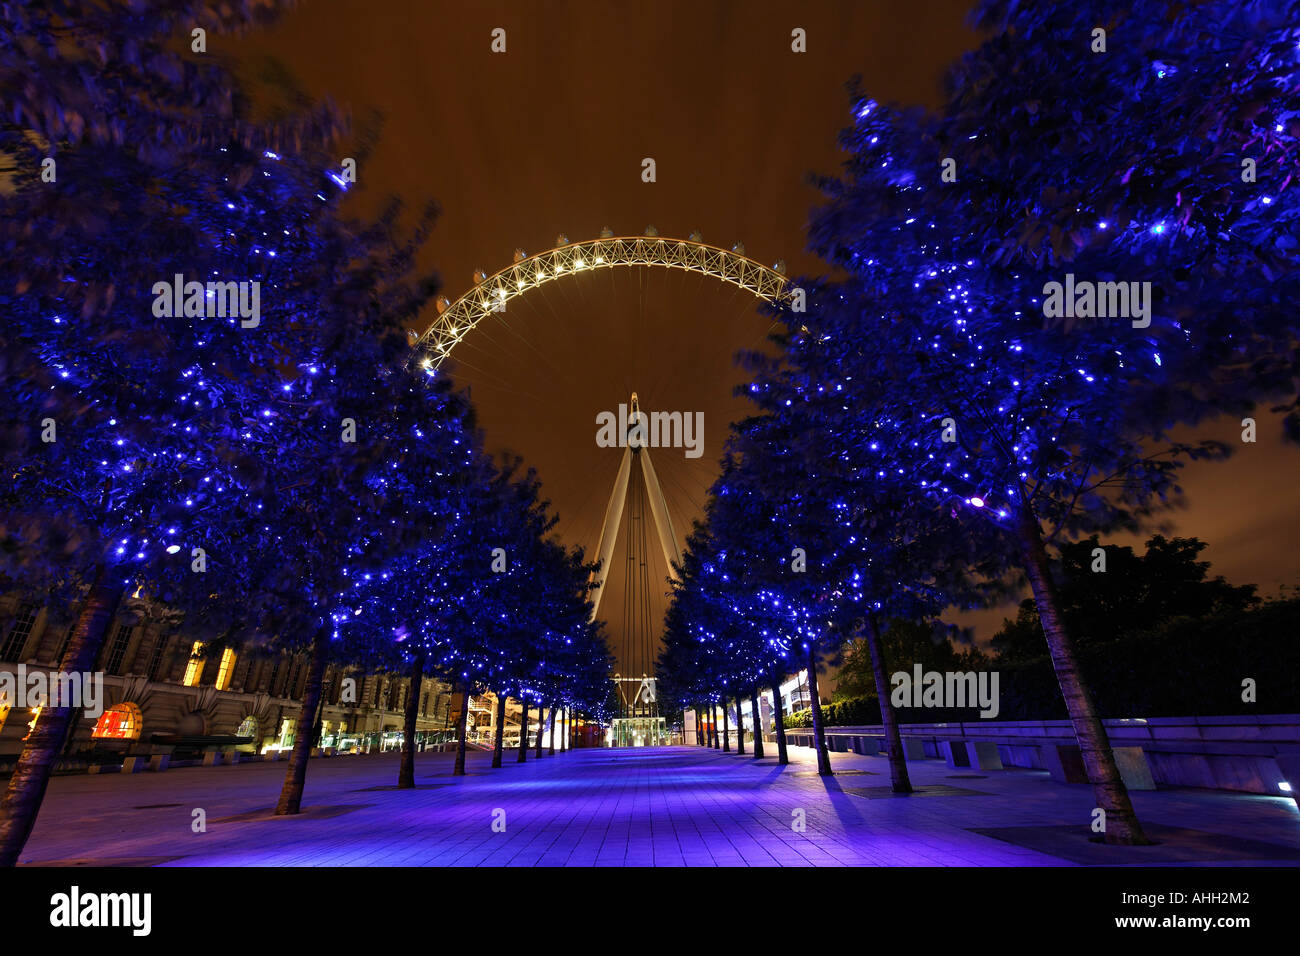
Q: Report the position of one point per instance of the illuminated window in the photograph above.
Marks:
(226, 670)
(119, 722)
(248, 728)
(194, 669)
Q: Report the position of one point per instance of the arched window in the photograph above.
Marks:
(119, 722)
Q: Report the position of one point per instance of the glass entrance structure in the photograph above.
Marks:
(638, 732)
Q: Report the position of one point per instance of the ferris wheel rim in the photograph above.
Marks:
(489, 294)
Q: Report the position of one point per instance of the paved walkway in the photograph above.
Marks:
(667, 807)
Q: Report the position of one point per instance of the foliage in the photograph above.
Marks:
(1134, 593)
(903, 645)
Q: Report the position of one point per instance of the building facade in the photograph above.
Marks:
(158, 682)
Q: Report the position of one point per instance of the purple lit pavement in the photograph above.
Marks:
(667, 807)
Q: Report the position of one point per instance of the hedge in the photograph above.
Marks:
(1188, 668)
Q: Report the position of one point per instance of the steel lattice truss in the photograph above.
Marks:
(490, 293)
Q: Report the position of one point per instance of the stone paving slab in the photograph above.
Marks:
(1170, 845)
(678, 806)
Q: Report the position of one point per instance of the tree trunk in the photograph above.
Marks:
(500, 736)
(541, 728)
(564, 729)
(893, 738)
(296, 774)
(819, 732)
(70, 739)
(726, 729)
(550, 747)
(1122, 826)
(778, 721)
(462, 732)
(713, 714)
(318, 724)
(740, 728)
(31, 775)
(758, 722)
(523, 731)
(406, 776)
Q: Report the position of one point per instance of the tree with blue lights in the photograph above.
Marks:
(691, 666)
(501, 635)
(129, 425)
(397, 608)
(1050, 163)
(576, 656)
(374, 460)
(819, 459)
(586, 691)
(745, 611)
(780, 558)
(487, 602)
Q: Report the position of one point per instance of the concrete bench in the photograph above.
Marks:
(984, 754)
(1065, 763)
(159, 762)
(133, 764)
(868, 746)
(976, 754)
(954, 753)
(212, 758)
(1289, 765)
